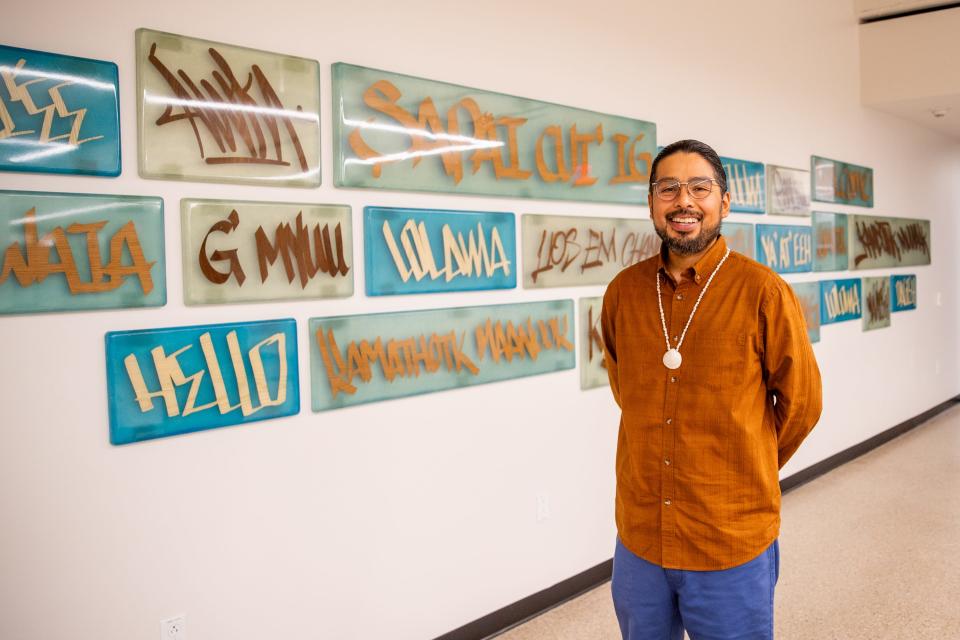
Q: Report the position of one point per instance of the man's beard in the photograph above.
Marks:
(687, 246)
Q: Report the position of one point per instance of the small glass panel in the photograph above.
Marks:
(876, 306)
(241, 251)
(393, 131)
(785, 248)
(740, 237)
(788, 191)
(593, 367)
(430, 250)
(888, 242)
(841, 182)
(808, 293)
(368, 358)
(746, 182)
(830, 239)
(164, 382)
(215, 112)
(903, 290)
(70, 252)
(840, 300)
(564, 251)
(58, 114)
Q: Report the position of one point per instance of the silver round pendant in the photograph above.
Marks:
(672, 359)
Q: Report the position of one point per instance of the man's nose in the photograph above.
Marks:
(684, 199)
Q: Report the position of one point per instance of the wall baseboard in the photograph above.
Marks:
(523, 610)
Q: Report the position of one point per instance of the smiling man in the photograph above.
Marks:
(709, 360)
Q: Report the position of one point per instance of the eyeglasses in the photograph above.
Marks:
(669, 188)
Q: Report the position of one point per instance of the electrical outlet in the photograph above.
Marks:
(174, 628)
(543, 507)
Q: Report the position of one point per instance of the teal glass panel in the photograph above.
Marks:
(840, 300)
(785, 248)
(433, 250)
(165, 382)
(876, 303)
(215, 112)
(831, 251)
(888, 242)
(71, 252)
(740, 237)
(841, 182)
(241, 251)
(808, 294)
(788, 191)
(746, 183)
(567, 251)
(903, 290)
(593, 367)
(58, 113)
(393, 131)
(368, 358)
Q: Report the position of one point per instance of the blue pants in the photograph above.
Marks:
(653, 603)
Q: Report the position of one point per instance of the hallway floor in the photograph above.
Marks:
(870, 550)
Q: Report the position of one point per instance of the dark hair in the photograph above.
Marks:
(692, 146)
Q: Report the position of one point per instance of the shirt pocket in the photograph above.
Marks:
(720, 360)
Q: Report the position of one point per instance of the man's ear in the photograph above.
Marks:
(725, 205)
(650, 204)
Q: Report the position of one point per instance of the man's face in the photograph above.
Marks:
(686, 224)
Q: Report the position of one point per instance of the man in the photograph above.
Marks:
(710, 362)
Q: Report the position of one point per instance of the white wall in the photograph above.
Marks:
(406, 519)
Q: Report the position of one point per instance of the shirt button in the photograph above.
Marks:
(667, 502)
(675, 338)
(697, 278)
(679, 296)
(669, 420)
(673, 378)
(667, 461)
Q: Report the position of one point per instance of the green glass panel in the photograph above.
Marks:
(71, 252)
(841, 182)
(565, 251)
(740, 237)
(241, 251)
(888, 242)
(831, 246)
(876, 303)
(808, 293)
(368, 358)
(215, 112)
(393, 131)
(593, 369)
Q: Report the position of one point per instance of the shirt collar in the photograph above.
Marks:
(704, 267)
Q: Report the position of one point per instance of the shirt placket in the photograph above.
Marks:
(680, 306)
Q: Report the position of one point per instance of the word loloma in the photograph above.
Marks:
(170, 376)
(51, 253)
(492, 135)
(842, 301)
(467, 258)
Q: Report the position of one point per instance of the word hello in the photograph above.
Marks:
(170, 377)
(44, 256)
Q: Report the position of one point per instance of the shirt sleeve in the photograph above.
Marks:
(790, 368)
(608, 328)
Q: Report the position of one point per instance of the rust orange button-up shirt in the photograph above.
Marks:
(700, 447)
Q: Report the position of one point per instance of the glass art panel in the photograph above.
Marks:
(876, 293)
(841, 182)
(788, 191)
(830, 237)
(394, 131)
(215, 112)
(740, 237)
(368, 358)
(745, 181)
(903, 290)
(58, 113)
(74, 252)
(241, 251)
(593, 366)
(888, 242)
(808, 294)
(565, 251)
(432, 250)
(165, 382)
(840, 300)
(785, 248)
